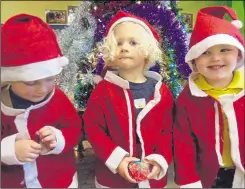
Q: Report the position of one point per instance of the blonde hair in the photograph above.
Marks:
(149, 46)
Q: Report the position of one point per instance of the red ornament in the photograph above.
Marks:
(139, 170)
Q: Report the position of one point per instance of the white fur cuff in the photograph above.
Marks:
(115, 158)
(8, 151)
(60, 141)
(161, 161)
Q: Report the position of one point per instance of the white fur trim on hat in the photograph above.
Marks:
(198, 49)
(237, 24)
(129, 19)
(34, 71)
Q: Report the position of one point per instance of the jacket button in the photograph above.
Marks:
(162, 131)
(154, 149)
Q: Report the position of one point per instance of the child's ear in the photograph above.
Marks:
(239, 57)
(146, 55)
(146, 64)
(194, 67)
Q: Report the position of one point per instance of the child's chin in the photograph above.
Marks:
(37, 99)
(127, 67)
(218, 77)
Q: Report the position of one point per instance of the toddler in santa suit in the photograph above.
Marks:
(209, 129)
(39, 124)
(129, 114)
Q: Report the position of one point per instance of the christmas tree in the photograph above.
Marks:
(76, 42)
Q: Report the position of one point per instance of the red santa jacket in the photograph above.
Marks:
(110, 123)
(198, 133)
(56, 169)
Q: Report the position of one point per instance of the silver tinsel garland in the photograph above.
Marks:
(76, 42)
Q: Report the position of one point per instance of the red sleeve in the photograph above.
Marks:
(184, 150)
(70, 125)
(166, 144)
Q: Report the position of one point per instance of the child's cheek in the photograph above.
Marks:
(51, 86)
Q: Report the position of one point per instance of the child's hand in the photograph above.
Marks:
(122, 169)
(47, 138)
(156, 169)
(27, 150)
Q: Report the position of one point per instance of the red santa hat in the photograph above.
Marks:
(29, 50)
(212, 29)
(122, 16)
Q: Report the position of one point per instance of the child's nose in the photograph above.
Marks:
(124, 50)
(124, 47)
(216, 57)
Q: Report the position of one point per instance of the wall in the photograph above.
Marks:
(193, 7)
(10, 8)
(38, 8)
(239, 7)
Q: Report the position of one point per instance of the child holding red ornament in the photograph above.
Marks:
(129, 114)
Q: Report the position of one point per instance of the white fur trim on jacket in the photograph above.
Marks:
(8, 151)
(228, 108)
(196, 50)
(227, 103)
(148, 107)
(142, 184)
(97, 79)
(115, 158)
(195, 91)
(217, 135)
(34, 71)
(115, 79)
(60, 141)
(130, 122)
(30, 168)
(74, 183)
(197, 184)
(98, 185)
(161, 161)
(238, 181)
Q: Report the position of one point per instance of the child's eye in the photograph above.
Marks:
(133, 43)
(119, 43)
(205, 53)
(225, 50)
(30, 83)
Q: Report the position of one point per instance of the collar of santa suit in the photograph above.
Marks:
(113, 77)
(13, 112)
(198, 85)
(237, 83)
